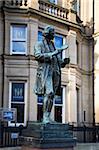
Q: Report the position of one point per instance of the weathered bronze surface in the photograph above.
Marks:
(49, 70)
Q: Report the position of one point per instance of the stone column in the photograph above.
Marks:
(72, 100)
(73, 96)
(33, 36)
(71, 38)
(96, 82)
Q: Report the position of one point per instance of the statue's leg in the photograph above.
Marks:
(47, 107)
(48, 98)
(50, 101)
(45, 112)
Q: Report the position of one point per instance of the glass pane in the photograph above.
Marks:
(19, 32)
(58, 100)
(20, 112)
(18, 46)
(75, 6)
(40, 99)
(17, 92)
(58, 113)
(53, 1)
(58, 41)
(59, 97)
(40, 36)
(39, 112)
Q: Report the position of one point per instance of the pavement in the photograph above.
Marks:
(11, 148)
(87, 146)
(83, 146)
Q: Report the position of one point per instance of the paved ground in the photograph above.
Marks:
(11, 148)
(87, 146)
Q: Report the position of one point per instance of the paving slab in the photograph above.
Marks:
(83, 146)
(11, 148)
(87, 146)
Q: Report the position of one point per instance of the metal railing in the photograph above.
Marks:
(85, 132)
(9, 136)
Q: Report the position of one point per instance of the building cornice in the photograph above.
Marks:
(39, 14)
(31, 58)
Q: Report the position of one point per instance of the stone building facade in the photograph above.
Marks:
(21, 25)
(89, 16)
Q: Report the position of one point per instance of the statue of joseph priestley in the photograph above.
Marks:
(49, 70)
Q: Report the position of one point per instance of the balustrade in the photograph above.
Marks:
(46, 7)
(15, 2)
(53, 9)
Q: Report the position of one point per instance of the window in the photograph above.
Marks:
(58, 106)
(18, 39)
(58, 40)
(40, 36)
(77, 51)
(76, 6)
(17, 100)
(53, 1)
(40, 108)
(58, 109)
(78, 104)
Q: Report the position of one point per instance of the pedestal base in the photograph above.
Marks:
(28, 148)
(47, 136)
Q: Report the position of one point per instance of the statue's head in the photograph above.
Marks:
(49, 32)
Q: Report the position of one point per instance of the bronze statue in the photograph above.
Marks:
(49, 70)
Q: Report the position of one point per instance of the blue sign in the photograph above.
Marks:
(18, 92)
(8, 114)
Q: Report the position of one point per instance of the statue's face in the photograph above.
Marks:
(51, 34)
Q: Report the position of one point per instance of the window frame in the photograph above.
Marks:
(41, 105)
(25, 102)
(63, 103)
(64, 42)
(18, 40)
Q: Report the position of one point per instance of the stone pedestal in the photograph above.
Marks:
(28, 148)
(47, 136)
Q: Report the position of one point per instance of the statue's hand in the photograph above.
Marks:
(62, 48)
(66, 61)
(59, 50)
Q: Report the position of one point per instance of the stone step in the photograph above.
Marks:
(52, 126)
(47, 136)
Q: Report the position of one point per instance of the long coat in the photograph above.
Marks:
(46, 63)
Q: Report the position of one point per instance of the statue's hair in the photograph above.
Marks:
(47, 30)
